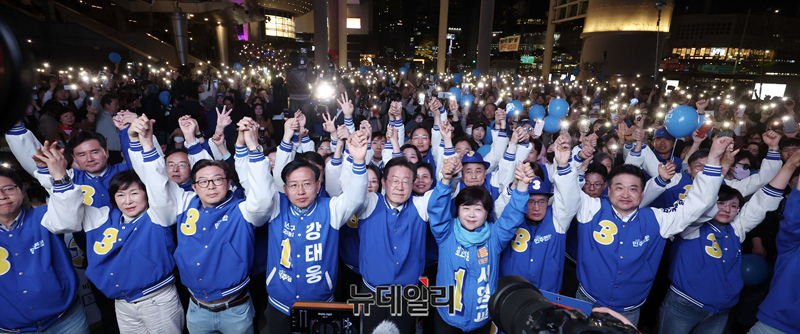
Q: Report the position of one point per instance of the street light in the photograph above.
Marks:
(659, 6)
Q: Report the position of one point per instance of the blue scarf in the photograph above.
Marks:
(474, 238)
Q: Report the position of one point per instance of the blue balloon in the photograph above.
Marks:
(467, 99)
(559, 108)
(576, 72)
(552, 124)
(114, 57)
(536, 112)
(516, 82)
(237, 67)
(681, 121)
(476, 73)
(754, 269)
(435, 77)
(363, 70)
(456, 92)
(457, 78)
(164, 98)
(408, 65)
(403, 71)
(514, 107)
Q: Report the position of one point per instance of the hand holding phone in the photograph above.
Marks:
(740, 111)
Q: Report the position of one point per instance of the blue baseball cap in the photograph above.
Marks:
(663, 133)
(473, 157)
(540, 187)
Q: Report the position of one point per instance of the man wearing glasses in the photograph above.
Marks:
(179, 167)
(216, 232)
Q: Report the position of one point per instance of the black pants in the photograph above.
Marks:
(405, 322)
(277, 322)
(444, 328)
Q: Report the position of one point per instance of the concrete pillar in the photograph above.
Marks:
(181, 35)
(222, 44)
(441, 60)
(549, 40)
(333, 29)
(321, 33)
(342, 33)
(485, 35)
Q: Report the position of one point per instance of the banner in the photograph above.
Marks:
(510, 43)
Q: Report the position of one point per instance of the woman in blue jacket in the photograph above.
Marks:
(469, 249)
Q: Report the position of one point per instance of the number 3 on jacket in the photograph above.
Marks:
(606, 234)
(521, 241)
(109, 238)
(5, 266)
(190, 226)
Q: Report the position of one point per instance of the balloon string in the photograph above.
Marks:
(672, 155)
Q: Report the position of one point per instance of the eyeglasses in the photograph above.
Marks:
(216, 181)
(396, 182)
(419, 137)
(528, 128)
(9, 190)
(539, 202)
(728, 205)
(307, 185)
(180, 165)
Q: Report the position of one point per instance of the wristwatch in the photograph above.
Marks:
(63, 180)
(259, 148)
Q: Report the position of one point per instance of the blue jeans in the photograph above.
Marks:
(73, 321)
(631, 315)
(678, 315)
(762, 328)
(237, 319)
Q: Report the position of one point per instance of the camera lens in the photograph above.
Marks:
(518, 305)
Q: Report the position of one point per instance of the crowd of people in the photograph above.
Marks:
(210, 202)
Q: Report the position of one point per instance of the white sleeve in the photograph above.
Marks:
(703, 195)
(197, 153)
(770, 167)
(283, 156)
(65, 209)
(656, 186)
(47, 96)
(343, 207)
(421, 203)
(587, 206)
(564, 183)
(261, 199)
(165, 197)
(333, 177)
(23, 144)
(501, 201)
(215, 152)
(505, 172)
(650, 163)
(498, 148)
(753, 212)
(306, 145)
(369, 206)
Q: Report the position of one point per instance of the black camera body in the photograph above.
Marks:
(519, 307)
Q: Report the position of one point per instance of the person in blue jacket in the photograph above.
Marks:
(620, 244)
(40, 287)
(705, 260)
(216, 229)
(778, 313)
(469, 248)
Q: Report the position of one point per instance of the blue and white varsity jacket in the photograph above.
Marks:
(214, 252)
(779, 309)
(473, 271)
(537, 250)
(302, 260)
(705, 259)
(39, 283)
(618, 256)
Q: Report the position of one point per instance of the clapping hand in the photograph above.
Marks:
(51, 156)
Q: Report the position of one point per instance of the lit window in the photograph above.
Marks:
(353, 23)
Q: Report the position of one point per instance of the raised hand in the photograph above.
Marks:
(251, 133)
(701, 104)
(624, 132)
(587, 152)
(223, 119)
(562, 150)
(366, 127)
(391, 136)
(327, 123)
(523, 174)
(343, 133)
(638, 135)
(517, 135)
(446, 130)
(188, 128)
(346, 105)
(771, 138)
(357, 146)
(500, 119)
(451, 167)
(666, 171)
(435, 105)
(218, 139)
(53, 158)
(720, 147)
(301, 120)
